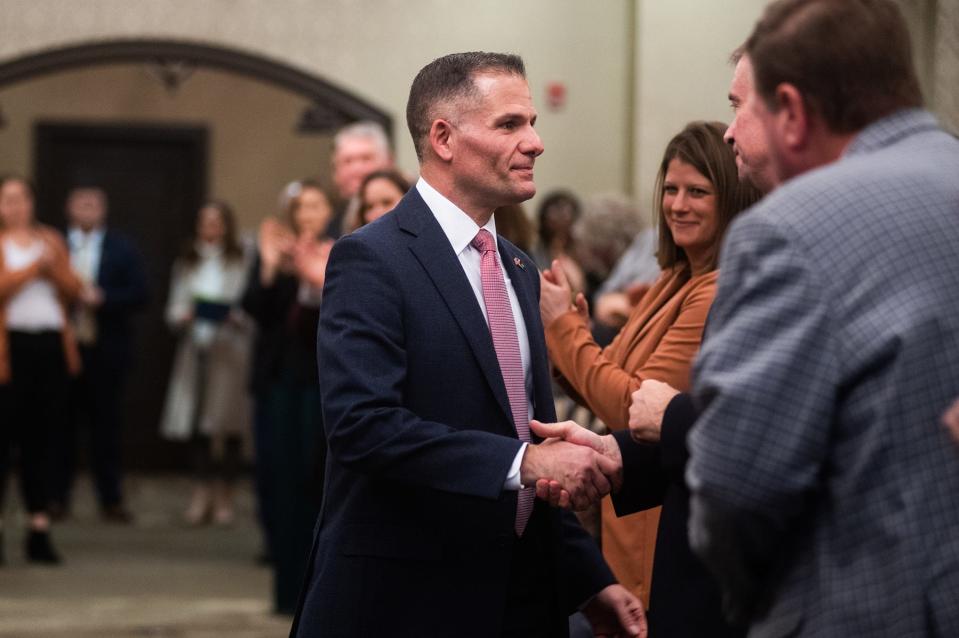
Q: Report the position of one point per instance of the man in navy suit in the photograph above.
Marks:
(428, 526)
(114, 288)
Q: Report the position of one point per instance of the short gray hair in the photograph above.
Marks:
(365, 129)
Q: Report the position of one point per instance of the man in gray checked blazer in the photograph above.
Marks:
(825, 491)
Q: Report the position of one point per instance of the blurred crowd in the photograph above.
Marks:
(732, 453)
(245, 319)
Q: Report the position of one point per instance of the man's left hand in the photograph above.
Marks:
(647, 410)
(614, 613)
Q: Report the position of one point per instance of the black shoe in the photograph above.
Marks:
(40, 549)
(116, 514)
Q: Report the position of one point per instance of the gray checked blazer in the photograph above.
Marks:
(825, 490)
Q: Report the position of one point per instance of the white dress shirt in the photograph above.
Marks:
(460, 230)
(86, 250)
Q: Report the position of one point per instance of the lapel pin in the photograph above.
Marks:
(519, 262)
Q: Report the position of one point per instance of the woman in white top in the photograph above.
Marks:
(37, 353)
(207, 403)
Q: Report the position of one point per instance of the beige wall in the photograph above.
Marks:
(253, 149)
(374, 48)
(635, 70)
(682, 55)
(945, 58)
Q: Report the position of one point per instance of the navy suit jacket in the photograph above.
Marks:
(416, 533)
(121, 278)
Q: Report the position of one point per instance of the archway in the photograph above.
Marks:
(170, 158)
(332, 106)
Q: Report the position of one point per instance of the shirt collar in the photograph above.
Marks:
(890, 129)
(460, 229)
(76, 236)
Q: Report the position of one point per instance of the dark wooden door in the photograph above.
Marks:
(155, 178)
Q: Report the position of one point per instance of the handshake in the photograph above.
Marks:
(574, 467)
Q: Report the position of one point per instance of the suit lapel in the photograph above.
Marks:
(106, 256)
(433, 251)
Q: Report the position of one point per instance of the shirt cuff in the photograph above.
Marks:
(512, 483)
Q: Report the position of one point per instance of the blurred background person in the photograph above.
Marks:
(206, 403)
(555, 218)
(514, 224)
(379, 193)
(631, 277)
(623, 272)
(283, 297)
(358, 150)
(699, 193)
(601, 235)
(114, 288)
(38, 353)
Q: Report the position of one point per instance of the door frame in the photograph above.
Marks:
(46, 133)
(143, 448)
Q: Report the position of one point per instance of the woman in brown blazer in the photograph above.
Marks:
(37, 353)
(697, 195)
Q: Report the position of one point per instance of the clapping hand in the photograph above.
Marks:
(310, 258)
(276, 241)
(556, 294)
(53, 253)
(91, 296)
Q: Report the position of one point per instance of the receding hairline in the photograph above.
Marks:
(473, 92)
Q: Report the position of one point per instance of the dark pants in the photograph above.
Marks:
(95, 401)
(33, 411)
(297, 460)
(531, 610)
(208, 466)
(216, 467)
(265, 472)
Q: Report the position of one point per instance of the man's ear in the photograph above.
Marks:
(440, 136)
(793, 115)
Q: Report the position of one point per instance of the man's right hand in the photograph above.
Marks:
(578, 470)
(553, 487)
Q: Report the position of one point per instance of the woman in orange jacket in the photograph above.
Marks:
(698, 193)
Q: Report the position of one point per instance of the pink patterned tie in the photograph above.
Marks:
(503, 328)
